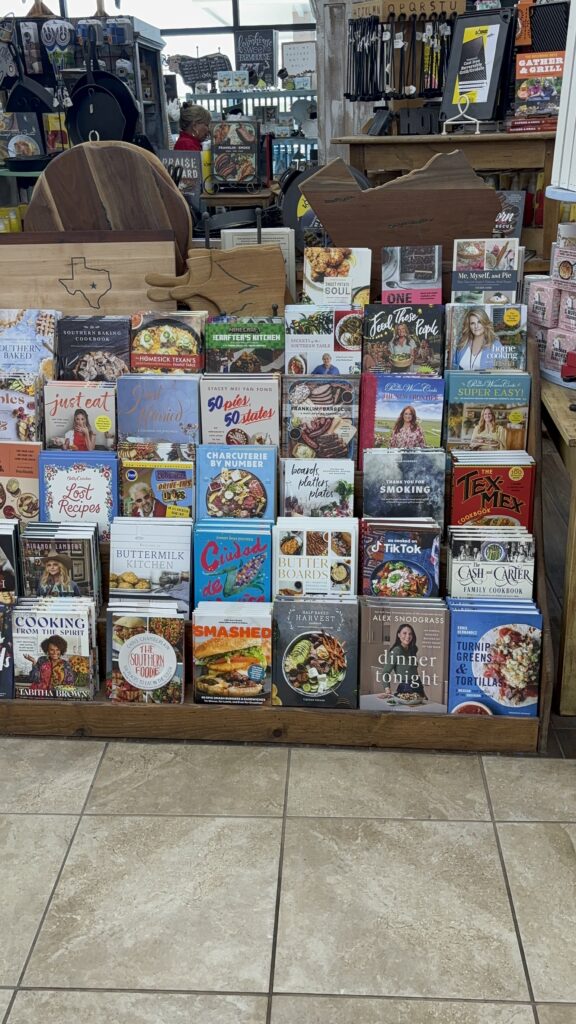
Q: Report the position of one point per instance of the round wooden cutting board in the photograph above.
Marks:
(109, 186)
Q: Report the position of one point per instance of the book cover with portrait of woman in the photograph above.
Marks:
(401, 411)
(487, 411)
(486, 337)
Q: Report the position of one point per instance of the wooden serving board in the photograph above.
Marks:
(91, 273)
(109, 186)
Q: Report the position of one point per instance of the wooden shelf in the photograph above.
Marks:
(268, 725)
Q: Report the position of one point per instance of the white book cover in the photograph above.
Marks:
(151, 560)
(315, 556)
(238, 409)
(317, 487)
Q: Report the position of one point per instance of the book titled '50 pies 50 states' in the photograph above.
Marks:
(315, 652)
(320, 417)
(240, 409)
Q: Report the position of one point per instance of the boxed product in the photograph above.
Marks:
(315, 653)
(403, 655)
(540, 336)
(232, 650)
(567, 314)
(563, 265)
(543, 302)
(558, 344)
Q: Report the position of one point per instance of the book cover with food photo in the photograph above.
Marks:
(485, 270)
(19, 480)
(232, 563)
(151, 558)
(79, 416)
(235, 152)
(240, 410)
(492, 493)
(20, 407)
(404, 484)
(487, 411)
(236, 482)
(28, 341)
(156, 490)
(494, 659)
(145, 658)
(401, 411)
(53, 653)
(320, 418)
(245, 345)
(398, 559)
(323, 340)
(93, 347)
(403, 657)
(315, 653)
(167, 344)
(337, 276)
(412, 273)
(159, 408)
(310, 487)
(79, 487)
(315, 556)
(486, 337)
(232, 649)
(404, 339)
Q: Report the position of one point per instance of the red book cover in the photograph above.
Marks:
(368, 390)
(492, 495)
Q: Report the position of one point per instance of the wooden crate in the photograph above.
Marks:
(93, 272)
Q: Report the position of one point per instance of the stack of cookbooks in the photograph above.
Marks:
(404, 339)
(487, 412)
(314, 555)
(151, 558)
(28, 341)
(496, 560)
(19, 484)
(317, 487)
(61, 560)
(486, 337)
(79, 487)
(245, 345)
(495, 649)
(55, 653)
(320, 417)
(400, 557)
(401, 411)
(6, 653)
(236, 482)
(492, 489)
(145, 652)
(232, 645)
(404, 655)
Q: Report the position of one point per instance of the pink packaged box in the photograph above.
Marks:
(567, 318)
(540, 336)
(559, 343)
(563, 265)
(544, 303)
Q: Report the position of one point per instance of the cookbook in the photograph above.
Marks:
(20, 407)
(315, 653)
(490, 560)
(232, 562)
(145, 655)
(28, 341)
(404, 339)
(401, 411)
(404, 484)
(320, 418)
(156, 489)
(488, 490)
(412, 273)
(323, 340)
(399, 558)
(19, 480)
(232, 650)
(79, 487)
(487, 411)
(337, 276)
(53, 650)
(173, 343)
(245, 344)
(236, 482)
(93, 348)
(79, 416)
(315, 556)
(160, 408)
(317, 487)
(240, 409)
(485, 270)
(486, 337)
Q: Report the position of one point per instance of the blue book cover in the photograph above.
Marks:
(236, 482)
(487, 411)
(399, 560)
(232, 564)
(159, 407)
(401, 411)
(494, 659)
(79, 487)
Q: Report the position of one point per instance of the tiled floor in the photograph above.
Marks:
(173, 883)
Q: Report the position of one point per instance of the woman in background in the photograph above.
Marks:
(194, 127)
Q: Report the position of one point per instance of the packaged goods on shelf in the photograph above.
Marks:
(543, 302)
(567, 314)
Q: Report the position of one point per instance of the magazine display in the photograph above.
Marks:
(323, 340)
(486, 337)
(93, 348)
(320, 418)
(315, 653)
(232, 648)
(404, 339)
(145, 654)
(245, 345)
(240, 410)
(404, 656)
(315, 556)
(337, 276)
(167, 344)
(236, 482)
(232, 562)
(487, 411)
(412, 273)
(79, 417)
(310, 487)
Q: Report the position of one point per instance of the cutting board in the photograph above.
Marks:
(243, 281)
(109, 186)
(90, 273)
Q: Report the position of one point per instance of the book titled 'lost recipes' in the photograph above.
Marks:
(315, 653)
(79, 487)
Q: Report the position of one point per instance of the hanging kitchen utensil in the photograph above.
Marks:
(116, 87)
(27, 96)
(94, 109)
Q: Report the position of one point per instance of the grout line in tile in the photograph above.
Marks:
(509, 892)
(304, 817)
(406, 998)
(278, 892)
(143, 991)
(53, 890)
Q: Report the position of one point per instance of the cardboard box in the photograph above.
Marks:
(543, 303)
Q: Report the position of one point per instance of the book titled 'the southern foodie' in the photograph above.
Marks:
(412, 273)
(156, 489)
(93, 347)
(487, 411)
(79, 416)
(404, 484)
(232, 647)
(235, 482)
(145, 655)
(163, 408)
(19, 487)
(494, 658)
(151, 558)
(492, 490)
(337, 276)
(320, 417)
(401, 412)
(403, 656)
(232, 562)
(240, 410)
(485, 270)
(323, 340)
(315, 556)
(167, 344)
(317, 487)
(53, 649)
(315, 653)
(28, 341)
(79, 487)
(486, 337)
(404, 339)
(399, 558)
(245, 345)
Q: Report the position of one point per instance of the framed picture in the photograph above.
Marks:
(479, 64)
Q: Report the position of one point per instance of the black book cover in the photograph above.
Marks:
(93, 348)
